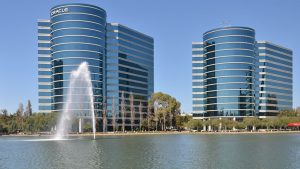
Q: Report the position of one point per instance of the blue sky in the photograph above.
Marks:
(174, 24)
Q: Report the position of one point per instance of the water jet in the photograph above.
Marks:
(79, 96)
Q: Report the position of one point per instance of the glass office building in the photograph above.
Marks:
(275, 78)
(44, 66)
(198, 79)
(227, 74)
(78, 33)
(129, 66)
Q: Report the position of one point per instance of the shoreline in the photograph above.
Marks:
(158, 133)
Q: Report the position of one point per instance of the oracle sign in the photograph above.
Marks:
(59, 11)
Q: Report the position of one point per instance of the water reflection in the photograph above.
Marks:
(166, 151)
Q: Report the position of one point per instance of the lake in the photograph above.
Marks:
(251, 151)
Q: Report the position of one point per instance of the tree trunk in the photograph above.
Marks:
(164, 122)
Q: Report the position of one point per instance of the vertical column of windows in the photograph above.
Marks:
(275, 78)
(44, 66)
(198, 79)
(129, 68)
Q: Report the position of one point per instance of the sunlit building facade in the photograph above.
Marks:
(230, 75)
(275, 78)
(44, 66)
(129, 72)
(77, 33)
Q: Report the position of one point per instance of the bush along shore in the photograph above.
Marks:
(44, 123)
(163, 116)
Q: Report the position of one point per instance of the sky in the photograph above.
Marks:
(174, 25)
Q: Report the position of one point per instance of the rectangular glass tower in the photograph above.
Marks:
(198, 89)
(129, 70)
(44, 66)
(276, 78)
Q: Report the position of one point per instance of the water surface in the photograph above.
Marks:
(257, 151)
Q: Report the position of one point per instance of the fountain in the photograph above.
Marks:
(79, 96)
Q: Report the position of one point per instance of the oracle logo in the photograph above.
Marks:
(59, 11)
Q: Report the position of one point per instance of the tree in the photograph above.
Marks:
(286, 116)
(30, 124)
(87, 128)
(171, 120)
(282, 122)
(19, 114)
(268, 123)
(113, 115)
(123, 111)
(227, 124)
(251, 121)
(104, 116)
(164, 106)
(20, 110)
(182, 120)
(194, 124)
(214, 123)
(148, 116)
(239, 125)
(298, 111)
(288, 113)
(4, 112)
(149, 123)
(28, 109)
(141, 115)
(179, 122)
(132, 111)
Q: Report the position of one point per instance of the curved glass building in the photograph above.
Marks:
(236, 76)
(120, 59)
(77, 35)
(229, 70)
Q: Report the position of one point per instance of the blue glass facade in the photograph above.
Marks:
(77, 35)
(229, 74)
(129, 68)
(198, 79)
(120, 59)
(44, 66)
(275, 78)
